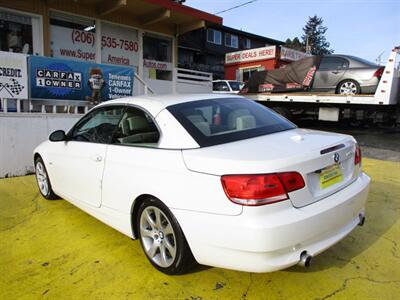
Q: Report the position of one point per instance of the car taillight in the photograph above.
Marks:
(378, 73)
(357, 156)
(254, 190)
(292, 181)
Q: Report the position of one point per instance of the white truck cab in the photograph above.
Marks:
(227, 86)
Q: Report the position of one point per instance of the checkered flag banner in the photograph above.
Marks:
(13, 88)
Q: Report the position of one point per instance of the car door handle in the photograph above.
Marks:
(98, 158)
(336, 72)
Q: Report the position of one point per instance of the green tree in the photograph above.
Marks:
(314, 36)
(295, 44)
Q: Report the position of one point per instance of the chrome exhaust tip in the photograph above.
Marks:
(305, 259)
(361, 220)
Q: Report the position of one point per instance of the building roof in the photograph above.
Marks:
(186, 10)
(156, 15)
(246, 34)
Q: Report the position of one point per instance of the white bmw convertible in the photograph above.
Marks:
(217, 180)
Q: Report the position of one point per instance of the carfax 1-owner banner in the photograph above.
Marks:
(13, 76)
(52, 78)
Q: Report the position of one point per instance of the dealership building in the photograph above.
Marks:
(140, 34)
(240, 65)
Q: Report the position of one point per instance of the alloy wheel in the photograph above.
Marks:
(348, 88)
(158, 236)
(41, 178)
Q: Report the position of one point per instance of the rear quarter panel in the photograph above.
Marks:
(361, 75)
(133, 171)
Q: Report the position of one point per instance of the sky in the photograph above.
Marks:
(363, 28)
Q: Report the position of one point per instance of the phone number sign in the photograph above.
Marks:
(119, 45)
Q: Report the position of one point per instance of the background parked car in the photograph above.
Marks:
(348, 75)
(227, 86)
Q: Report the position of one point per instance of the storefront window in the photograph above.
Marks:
(246, 73)
(119, 45)
(72, 37)
(15, 33)
(157, 57)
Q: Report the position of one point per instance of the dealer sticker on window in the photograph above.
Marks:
(330, 176)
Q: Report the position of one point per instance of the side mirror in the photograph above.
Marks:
(57, 136)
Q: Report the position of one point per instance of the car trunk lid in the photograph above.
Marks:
(325, 160)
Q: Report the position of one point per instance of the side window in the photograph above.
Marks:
(343, 64)
(98, 126)
(136, 128)
(334, 63)
(327, 63)
(220, 86)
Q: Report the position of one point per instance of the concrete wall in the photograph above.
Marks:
(21, 133)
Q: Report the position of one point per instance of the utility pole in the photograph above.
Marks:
(308, 46)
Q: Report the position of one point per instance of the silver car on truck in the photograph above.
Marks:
(346, 75)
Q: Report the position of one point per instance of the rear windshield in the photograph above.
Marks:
(223, 120)
(364, 61)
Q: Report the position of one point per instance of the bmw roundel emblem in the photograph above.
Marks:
(336, 157)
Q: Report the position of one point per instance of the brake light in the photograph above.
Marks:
(378, 73)
(255, 190)
(357, 155)
(292, 181)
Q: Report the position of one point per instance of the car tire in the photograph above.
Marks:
(43, 180)
(162, 238)
(348, 87)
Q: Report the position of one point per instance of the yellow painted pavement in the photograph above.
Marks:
(50, 249)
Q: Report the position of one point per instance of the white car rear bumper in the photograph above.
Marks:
(272, 237)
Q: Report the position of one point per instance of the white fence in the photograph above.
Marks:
(184, 81)
(20, 133)
(190, 81)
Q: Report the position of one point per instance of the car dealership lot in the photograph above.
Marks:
(52, 249)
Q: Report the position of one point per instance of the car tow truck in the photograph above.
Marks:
(383, 107)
